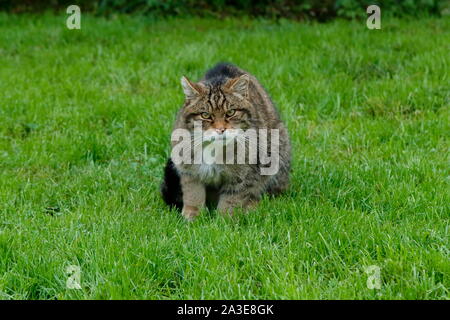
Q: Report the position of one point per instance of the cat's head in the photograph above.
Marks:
(221, 107)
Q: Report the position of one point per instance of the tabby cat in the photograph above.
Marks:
(227, 99)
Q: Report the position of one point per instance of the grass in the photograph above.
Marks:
(85, 119)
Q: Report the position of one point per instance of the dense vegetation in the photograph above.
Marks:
(297, 9)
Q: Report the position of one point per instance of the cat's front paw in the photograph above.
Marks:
(190, 212)
(228, 208)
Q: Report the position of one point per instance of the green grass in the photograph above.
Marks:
(85, 119)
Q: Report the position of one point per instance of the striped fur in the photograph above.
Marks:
(223, 88)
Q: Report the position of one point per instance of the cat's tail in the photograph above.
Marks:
(171, 187)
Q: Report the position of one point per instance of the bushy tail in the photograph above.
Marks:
(171, 187)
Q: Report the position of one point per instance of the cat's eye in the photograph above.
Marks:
(230, 112)
(205, 115)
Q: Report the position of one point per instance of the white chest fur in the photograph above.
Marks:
(210, 173)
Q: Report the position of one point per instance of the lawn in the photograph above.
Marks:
(85, 121)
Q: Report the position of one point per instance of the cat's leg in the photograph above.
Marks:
(244, 199)
(245, 192)
(194, 196)
(279, 183)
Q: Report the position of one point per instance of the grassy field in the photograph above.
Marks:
(85, 119)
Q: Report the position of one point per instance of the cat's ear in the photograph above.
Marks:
(238, 86)
(191, 90)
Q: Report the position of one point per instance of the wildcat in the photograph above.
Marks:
(227, 99)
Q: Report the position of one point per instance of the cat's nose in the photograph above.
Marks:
(220, 130)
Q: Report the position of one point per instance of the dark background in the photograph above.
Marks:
(321, 10)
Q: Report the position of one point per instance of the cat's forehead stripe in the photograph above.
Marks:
(216, 99)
